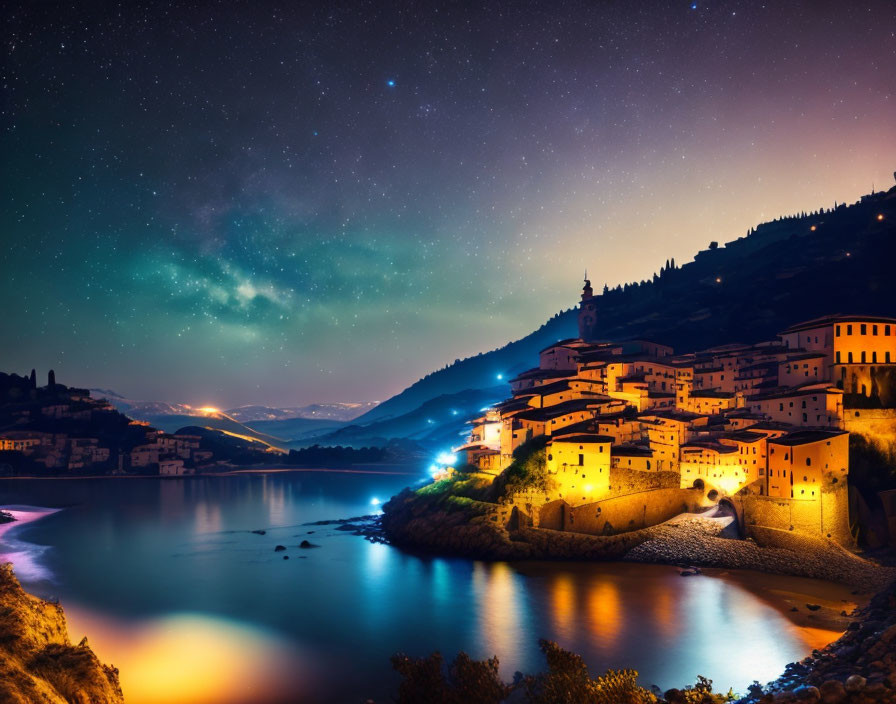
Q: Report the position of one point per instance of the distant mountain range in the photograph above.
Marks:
(342, 412)
(279, 427)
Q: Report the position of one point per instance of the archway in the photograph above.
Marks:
(727, 508)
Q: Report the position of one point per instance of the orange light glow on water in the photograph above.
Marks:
(194, 659)
(605, 612)
(563, 599)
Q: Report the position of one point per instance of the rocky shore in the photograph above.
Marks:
(858, 668)
(38, 663)
(449, 527)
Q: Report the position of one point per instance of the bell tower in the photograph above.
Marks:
(587, 311)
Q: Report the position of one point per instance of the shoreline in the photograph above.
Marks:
(427, 527)
(225, 473)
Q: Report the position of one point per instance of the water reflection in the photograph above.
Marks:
(564, 602)
(501, 609)
(146, 558)
(194, 659)
(605, 615)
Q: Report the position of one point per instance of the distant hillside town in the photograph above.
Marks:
(57, 429)
(634, 433)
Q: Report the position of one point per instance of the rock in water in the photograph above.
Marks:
(35, 634)
(280, 548)
(306, 544)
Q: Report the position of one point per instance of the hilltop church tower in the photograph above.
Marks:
(587, 312)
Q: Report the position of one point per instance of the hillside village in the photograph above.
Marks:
(634, 433)
(61, 430)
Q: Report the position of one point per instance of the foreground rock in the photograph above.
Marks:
(38, 663)
(858, 668)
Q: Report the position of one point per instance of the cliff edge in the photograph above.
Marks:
(38, 663)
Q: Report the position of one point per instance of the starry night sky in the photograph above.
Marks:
(228, 203)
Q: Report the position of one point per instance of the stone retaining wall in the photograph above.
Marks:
(827, 517)
(878, 425)
(621, 513)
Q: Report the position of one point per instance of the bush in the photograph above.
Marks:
(527, 471)
(429, 681)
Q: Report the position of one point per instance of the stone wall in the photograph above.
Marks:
(827, 517)
(628, 481)
(878, 425)
(621, 513)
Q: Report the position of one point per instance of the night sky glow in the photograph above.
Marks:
(225, 203)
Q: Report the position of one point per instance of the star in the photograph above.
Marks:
(390, 82)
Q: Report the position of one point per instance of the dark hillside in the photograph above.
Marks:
(791, 269)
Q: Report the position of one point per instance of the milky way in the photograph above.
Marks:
(230, 202)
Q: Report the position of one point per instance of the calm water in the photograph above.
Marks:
(170, 584)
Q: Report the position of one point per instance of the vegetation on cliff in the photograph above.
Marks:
(38, 663)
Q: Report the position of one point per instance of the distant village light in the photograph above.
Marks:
(813, 228)
(446, 459)
(880, 216)
(374, 501)
(499, 376)
(718, 279)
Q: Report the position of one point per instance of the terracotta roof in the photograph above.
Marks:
(581, 439)
(630, 451)
(837, 318)
(806, 437)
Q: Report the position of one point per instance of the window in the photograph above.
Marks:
(849, 357)
(808, 464)
(849, 329)
(863, 329)
(886, 329)
(838, 356)
(874, 356)
(887, 357)
(550, 458)
(581, 460)
(874, 329)
(837, 331)
(863, 356)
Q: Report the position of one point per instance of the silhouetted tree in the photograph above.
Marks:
(33, 379)
(51, 379)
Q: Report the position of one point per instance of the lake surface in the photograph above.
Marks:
(171, 585)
